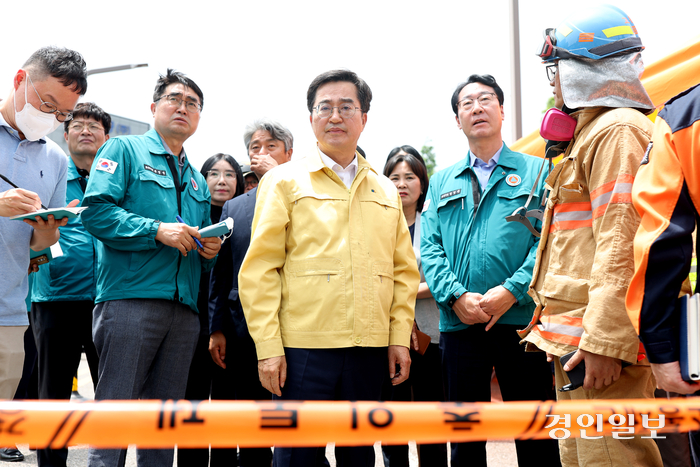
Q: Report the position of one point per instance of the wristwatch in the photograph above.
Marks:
(453, 299)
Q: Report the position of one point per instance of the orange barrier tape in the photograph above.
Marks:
(156, 424)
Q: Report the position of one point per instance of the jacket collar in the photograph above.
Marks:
(72, 172)
(585, 115)
(508, 159)
(314, 163)
(155, 143)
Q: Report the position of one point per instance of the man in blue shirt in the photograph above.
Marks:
(63, 295)
(149, 265)
(478, 267)
(45, 91)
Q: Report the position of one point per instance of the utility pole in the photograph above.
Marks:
(116, 68)
(515, 70)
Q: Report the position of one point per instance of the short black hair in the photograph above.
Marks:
(172, 77)
(486, 80)
(415, 162)
(209, 163)
(364, 93)
(66, 65)
(90, 110)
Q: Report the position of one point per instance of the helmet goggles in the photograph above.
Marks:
(549, 51)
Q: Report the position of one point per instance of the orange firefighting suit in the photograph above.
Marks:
(667, 196)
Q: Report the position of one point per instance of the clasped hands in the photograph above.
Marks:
(474, 308)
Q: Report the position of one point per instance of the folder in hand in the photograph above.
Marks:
(58, 213)
(690, 337)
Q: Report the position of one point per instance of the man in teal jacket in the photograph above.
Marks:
(478, 267)
(63, 294)
(145, 325)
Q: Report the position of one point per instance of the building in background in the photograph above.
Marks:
(120, 126)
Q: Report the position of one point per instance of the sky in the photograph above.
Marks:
(257, 59)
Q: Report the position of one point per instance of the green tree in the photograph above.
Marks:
(429, 158)
(550, 104)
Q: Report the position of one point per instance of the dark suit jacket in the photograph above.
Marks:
(224, 305)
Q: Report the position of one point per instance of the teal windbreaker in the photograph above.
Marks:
(70, 277)
(468, 250)
(131, 190)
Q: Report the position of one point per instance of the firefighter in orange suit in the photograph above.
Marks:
(667, 195)
(584, 260)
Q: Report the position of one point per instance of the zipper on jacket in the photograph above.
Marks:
(179, 188)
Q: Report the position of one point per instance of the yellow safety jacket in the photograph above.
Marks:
(328, 266)
(584, 259)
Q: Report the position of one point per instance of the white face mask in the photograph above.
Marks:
(34, 123)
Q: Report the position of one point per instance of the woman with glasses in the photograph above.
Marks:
(225, 181)
(406, 168)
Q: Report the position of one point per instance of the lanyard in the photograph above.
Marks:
(476, 189)
(176, 179)
(534, 213)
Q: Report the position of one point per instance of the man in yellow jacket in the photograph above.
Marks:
(329, 282)
(585, 261)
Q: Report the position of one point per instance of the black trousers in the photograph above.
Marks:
(239, 381)
(354, 373)
(424, 383)
(199, 383)
(468, 358)
(62, 331)
(28, 387)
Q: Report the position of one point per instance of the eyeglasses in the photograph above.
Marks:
(326, 110)
(485, 99)
(49, 108)
(227, 174)
(251, 182)
(175, 100)
(551, 72)
(91, 126)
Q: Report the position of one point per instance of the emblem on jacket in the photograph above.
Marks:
(194, 184)
(449, 194)
(106, 165)
(155, 171)
(513, 180)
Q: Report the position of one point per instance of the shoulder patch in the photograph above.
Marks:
(155, 171)
(645, 159)
(106, 165)
(449, 194)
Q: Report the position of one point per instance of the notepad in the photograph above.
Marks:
(690, 337)
(58, 213)
(217, 230)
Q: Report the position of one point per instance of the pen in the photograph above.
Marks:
(179, 219)
(15, 186)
